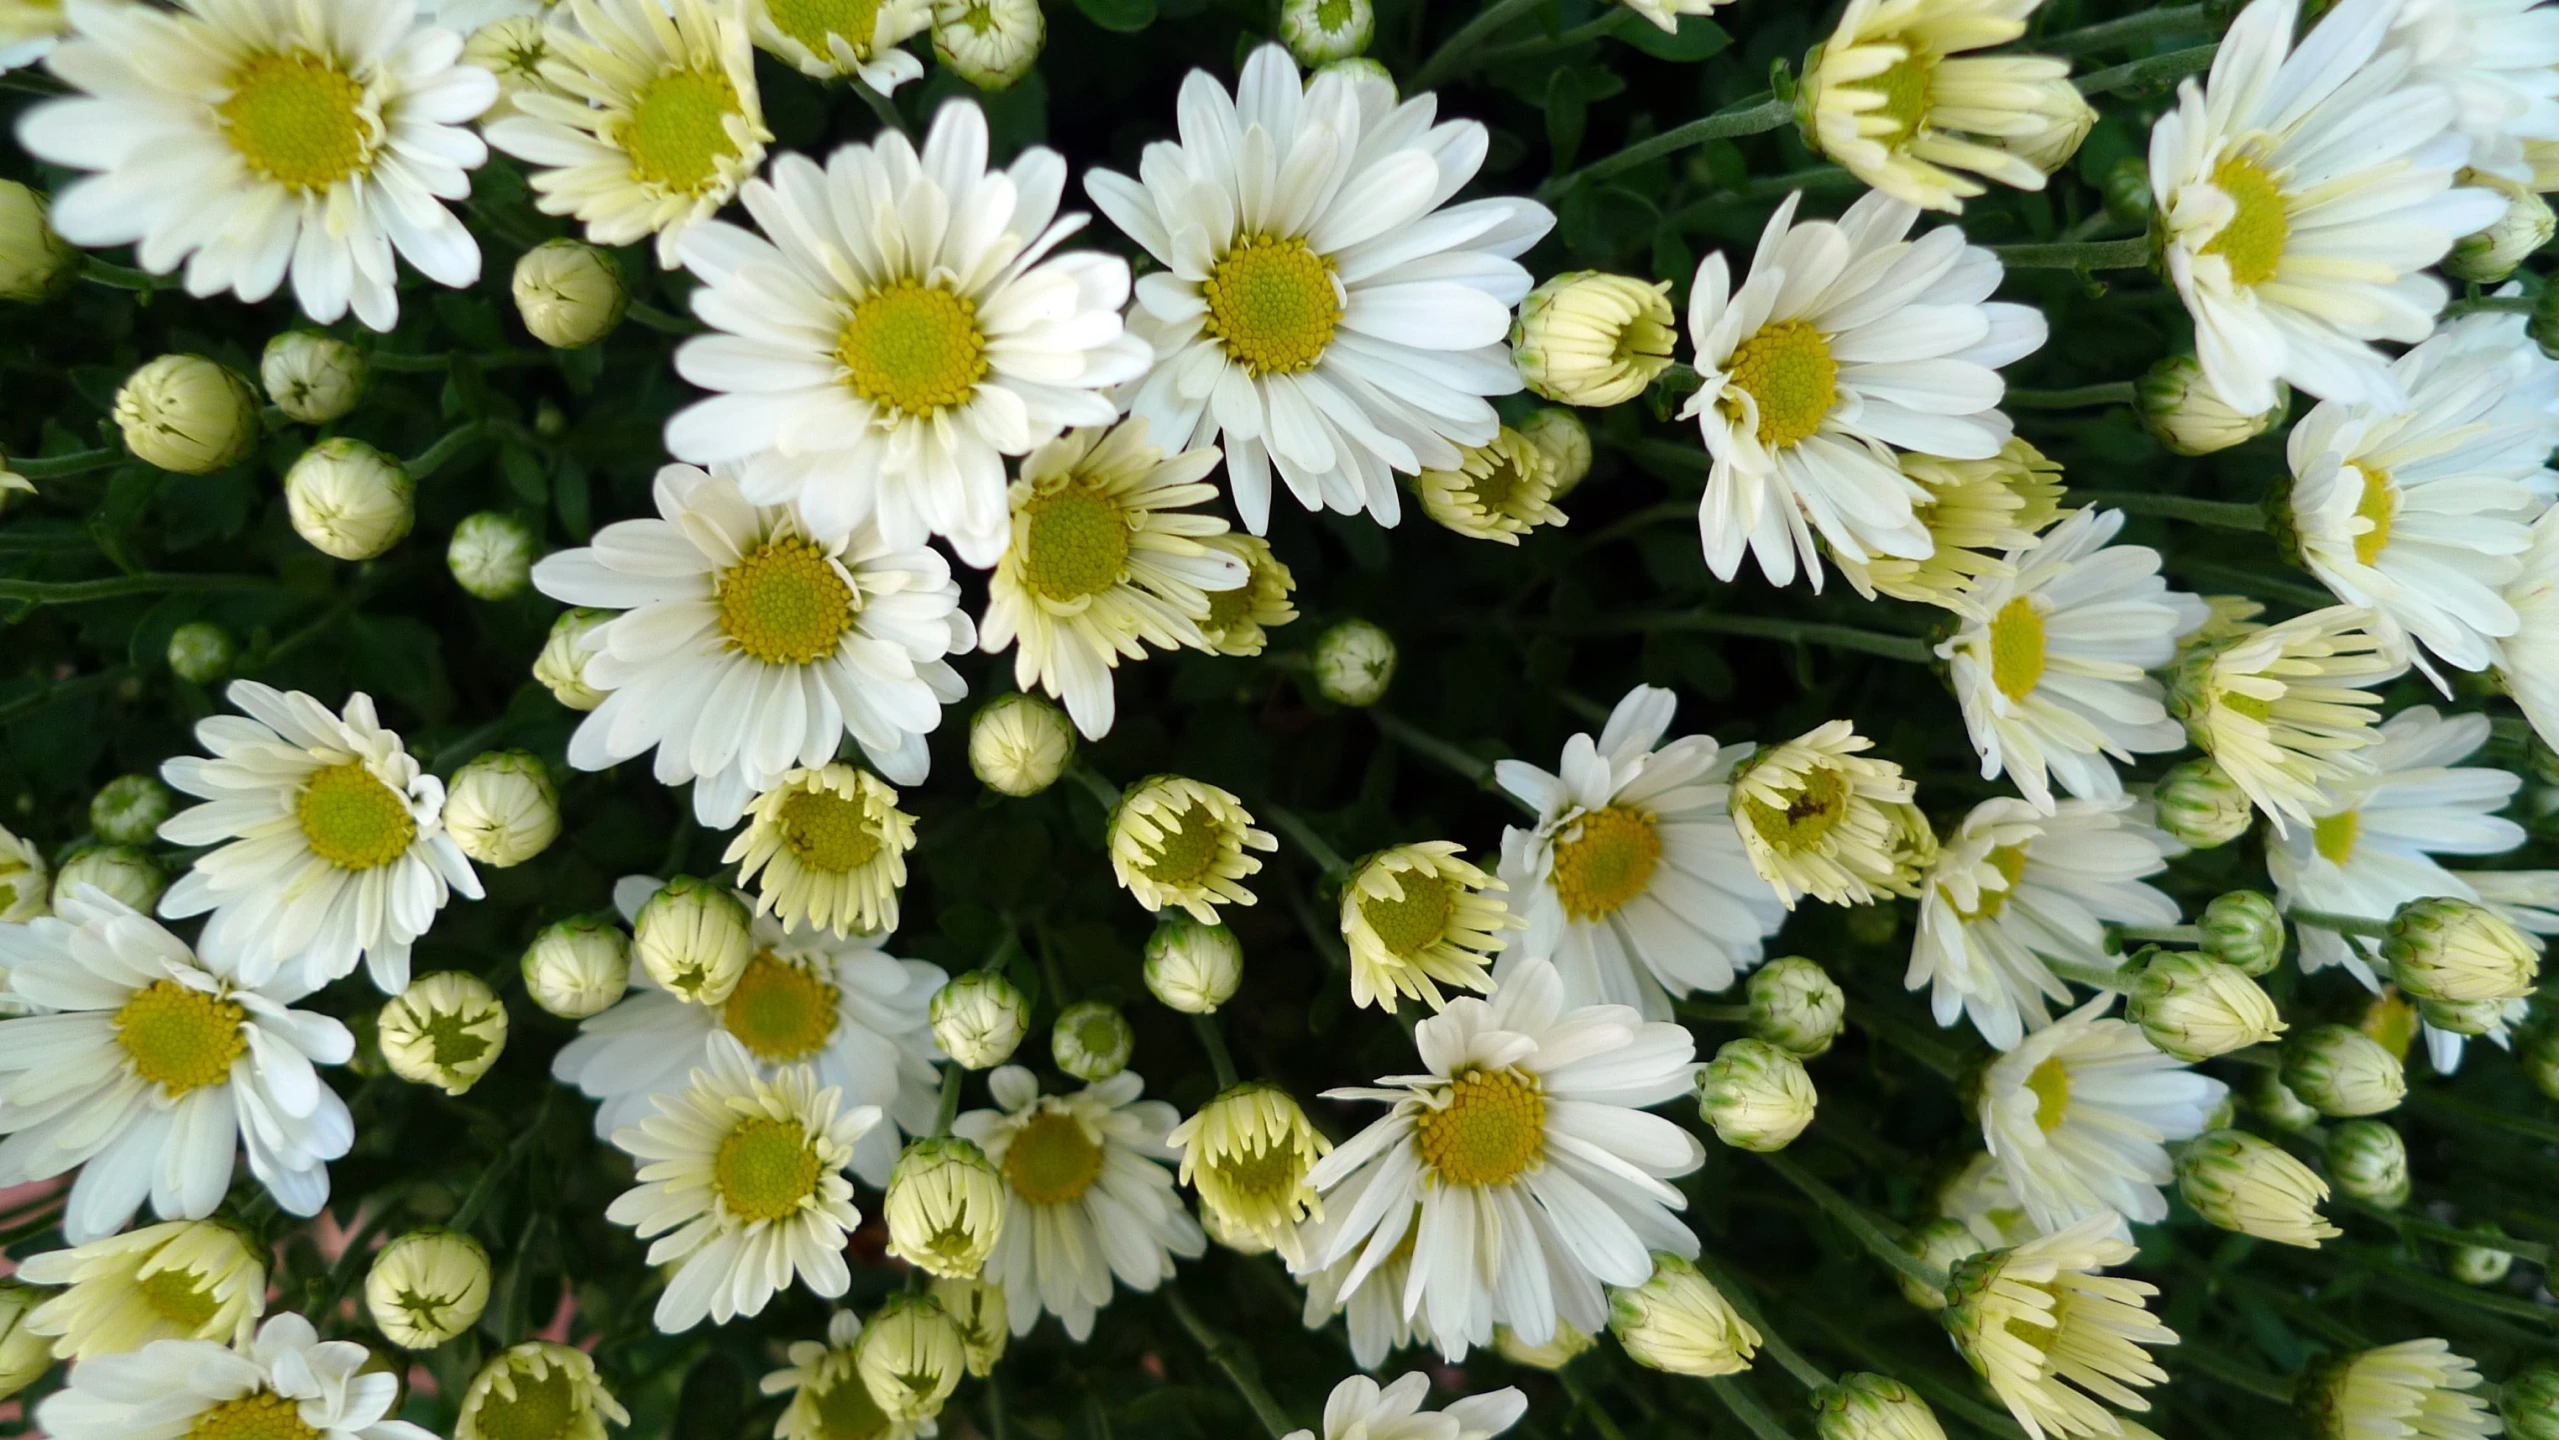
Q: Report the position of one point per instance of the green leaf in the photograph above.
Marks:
(1567, 114)
(1696, 38)
(1127, 17)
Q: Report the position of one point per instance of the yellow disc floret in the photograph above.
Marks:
(1804, 820)
(2017, 648)
(1052, 1160)
(678, 131)
(352, 820)
(2253, 242)
(1492, 1128)
(543, 1409)
(1188, 850)
(1419, 919)
(2050, 1085)
(1605, 861)
(180, 1296)
(912, 348)
(1904, 88)
(766, 1169)
(1787, 370)
(828, 832)
(1076, 543)
(785, 604)
(1274, 302)
(179, 1038)
(780, 1011)
(261, 1415)
(812, 22)
(2379, 506)
(299, 121)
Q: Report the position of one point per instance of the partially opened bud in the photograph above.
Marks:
(1092, 1041)
(578, 967)
(502, 808)
(491, 555)
(1677, 1321)
(561, 667)
(1193, 968)
(1589, 338)
(312, 377)
(1941, 1242)
(349, 500)
(538, 1390)
(188, 414)
(124, 871)
(445, 1030)
(1354, 663)
(1756, 1095)
(2200, 806)
(2441, 948)
(979, 1019)
(945, 1207)
(1796, 1006)
(1248, 1153)
(2242, 1183)
(569, 293)
(1318, 31)
(128, 809)
(2489, 256)
(24, 887)
(1560, 435)
(1872, 1407)
(427, 1287)
(35, 263)
(910, 1357)
(2184, 413)
(692, 938)
(976, 1305)
(2340, 1071)
(2529, 1402)
(1020, 744)
(2243, 930)
(2369, 1162)
(24, 1354)
(2194, 1007)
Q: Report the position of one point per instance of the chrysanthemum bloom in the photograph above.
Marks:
(2414, 1390)
(1892, 98)
(2078, 1115)
(1103, 561)
(1360, 1409)
(445, 1030)
(1090, 1195)
(944, 1206)
(1373, 1313)
(1324, 311)
(831, 845)
(180, 1280)
(538, 1389)
(2255, 1187)
(751, 643)
(1678, 1322)
(829, 1400)
(1498, 491)
(1248, 1153)
(2301, 193)
(1182, 842)
(1240, 620)
(285, 1382)
(1633, 880)
(2494, 56)
(749, 1175)
(656, 124)
(332, 843)
(248, 140)
(2052, 1336)
(426, 1287)
(901, 325)
(1526, 1129)
(1818, 818)
(2528, 660)
(2286, 710)
(1801, 416)
(858, 39)
(1416, 917)
(1976, 512)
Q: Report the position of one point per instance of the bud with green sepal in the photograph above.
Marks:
(351, 501)
(445, 1030)
(1319, 32)
(311, 377)
(2342, 1072)
(126, 872)
(1939, 1242)
(1862, 1406)
(491, 555)
(692, 939)
(200, 652)
(1796, 1006)
(426, 1287)
(128, 809)
(1590, 338)
(187, 414)
(2441, 948)
(2243, 930)
(945, 1206)
(2368, 1161)
(1677, 1321)
(979, 1019)
(35, 263)
(2185, 414)
(578, 967)
(570, 295)
(2254, 1187)
(561, 667)
(2200, 806)
(2538, 1053)
(1756, 1095)
(1354, 662)
(1193, 968)
(2487, 257)
(1020, 744)
(502, 808)
(2481, 1263)
(24, 1354)
(2194, 1007)
(910, 1357)
(2529, 1402)
(1091, 1041)
(1561, 437)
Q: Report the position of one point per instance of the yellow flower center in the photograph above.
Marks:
(1274, 302)
(2017, 648)
(1075, 544)
(2050, 1085)
(2253, 242)
(779, 1011)
(912, 348)
(543, 1409)
(2379, 506)
(2334, 836)
(828, 832)
(678, 131)
(1418, 920)
(352, 820)
(1787, 371)
(1800, 824)
(1905, 91)
(766, 1169)
(1188, 852)
(1052, 1160)
(181, 1297)
(263, 1415)
(845, 1411)
(2010, 862)
(180, 1039)
(812, 22)
(1606, 861)
(785, 604)
(298, 120)
(1492, 1128)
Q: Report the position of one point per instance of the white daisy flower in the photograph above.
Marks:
(2012, 890)
(1373, 1313)
(2497, 59)
(900, 326)
(854, 39)
(1088, 1195)
(1633, 880)
(753, 643)
(1360, 1409)
(1322, 310)
(29, 29)
(2287, 710)
(2301, 193)
(1847, 342)
(2052, 661)
(252, 138)
(2078, 1115)
(2528, 660)
(2421, 512)
(855, 1015)
(332, 841)
(1522, 1164)
(151, 1070)
(286, 1382)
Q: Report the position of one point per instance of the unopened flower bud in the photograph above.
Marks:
(2489, 256)
(1020, 744)
(427, 1287)
(2275, 1103)
(128, 809)
(1589, 338)
(312, 377)
(910, 1357)
(1321, 31)
(492, 556)
(24, 880)
(1192, 967)
(692, 939)
(989, 43)
(2242, 1183)
(2529, 1402)
(124, 871)
(1756, 1095)
(2127, 191)
(200, 651)
(2339, 1071)
(2483, 1263)
(1941, 1242)
(561, 667)
(1560, 1349)
(35, 263)
(2464, 1017)
(2243, 930)
(1561, 437)
(2201, 806)
(1092, 1041)
(569, 293)
(578, 967)
(188, 414)
(538, 1390)
(502, 808)
(24, 1355)
(976, 1305)
(2369, 1162)
(1677, 1321)
(979, 1019)
(1796, 1006)
(945, 1206)
(1354, 663)
(2183, 413)
(445, 1030)
(2446, 949)
(349, 500)
(2539, 1054)
(2194, 1007)
(1872, 1407)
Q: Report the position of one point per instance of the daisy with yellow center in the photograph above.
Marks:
(1248, 1153)
(1373, 1313)
(1976, 511)
(831, 845)
(1818, 818)
(2079, 1113)
(1104, 561)
(2286, 710)
(1088, 1193)
(1239, 621)
(1417, 917)
(1498, 491)
(2053, 1337)
(1848, 342)
(854, 39)
(181, 1280)
(655, 124)
(748, 1175)
(1633, 880)
(285, 1384)
(1527, 1128)
(1181, 842)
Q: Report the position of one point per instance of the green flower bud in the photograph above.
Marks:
(1319, 31)
(1678, 1322)
(2463, 1017)
(979, 1019)
(2369, 1162)
(2529, 1402)
(312, 377)
(2481, 1264)
(1756, 1095)
(349, 500)
(2447, 949)
(187, 414)
(1872, 1407)
(35, 264)
(426, 1287)
(692, 938)
(2489, 256)
(2538, 1052)
(1590, 338)
(2182, 412)
(2202, 807)
(1941, 1242)
(1020, 744)
(1091, 1041)
(1192, 967)
(1561, 437)
(2243, 930)
(445, 1030)
(578, 967)
(2277, 1105)
(561, 667)
(2194, 1007)
(2339, 1071)
(2127, 191)
(200, 651)
(492, 555)
(1796, 1006)
(123, 871)
(128, 809)
(991, 44)
(569, 294)
(502, 808)
(1354, 663)
(945, 1207)
(910, 1357)
(2242, 1183)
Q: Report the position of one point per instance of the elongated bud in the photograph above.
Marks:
(2529, 1402)
(976, 1305)
(502, 808)
(1354, 663)
(945, 1207)
(569, 293)
(2242, 1183)
(349, 500)
(561, 667)
(426, 1287)
(445, 1030)
(578, 967)
(2194, 1007)
(692, 938)
(1941, 1242)
(2447, 949)
(1872, 1407)
(2342, 1072)
(910, 1357)
(1091, 1041)
(491, 555)
(24, 1354)
(128, 809)
(1193, 968)
(200, 651)
(2201, 806)
(2464, 1017)
(1796, 1006)
(1677, 1321)
(1594, 339)
(979, 1019)
(2186, 415)
(1560, 435)
(1320, 31)
(1756, 1095)
(1020, 744)
(187, 414)
(126, 872)
(2488, 256)
(2243, 930)
(2483, 1263)
(2369, 1162)
(35, 265)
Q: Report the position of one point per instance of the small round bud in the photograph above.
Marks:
(569, 294)
(1321, 31)
(1354, 663)
(2446, 949)
(2127, 191)
(2243, 930)
(991, 44)
(1796, 1006)
(2489, 256)
(1561, 437)
(312, 377)
(578, 967)
(1091, 1041)
(1941, 1242)
(502, 808)
(2183, 413)
(2539, 1054)
(349, 500)
(1756, 1095)
(128, 809)
(2271, 1101)
(1193, 967)
(2201, 806)
(1589, 338)
(945, 1207)
(1020, 744)
(24, 1355)
(2481, 1264)
(910, 1357)
(492, 555)
(1679, 1322)
(2239, 1182)
(2369, 1162)
(2193, 1007)
(2341, 1072)
(561, 667)
(2464, 1017)
(1560, 1349)
(979, 1019)
(200, 652)
(1872, 1407)
(2529, 1402)
(188, 414)
(445, 1030)
(123, 871)
(427, 1287)
(976, 1305)
(35, 263)
(692, 938)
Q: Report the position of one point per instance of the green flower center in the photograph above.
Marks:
(2253, 242)
(785, 604)
(678, 131)
(1493, 1127)
(264, 1415)
(2017, 648)
(1787, 371)
(451, 1043)
(543, 1409)
(1606, 861)
(352, 820)
(1273, 302)
(779, 1011)
(1415, 922)
(180, 1039)
(1076, 543)
(1905, 91)
(1188, 850)
(1802, 822)
(1052, 1161)
(766, 1169)
(2334, 836)
(1262, 1176)
(297, 120)
(827, 831)
(845, 1411)
(181, 1297)
(912, 348)
(2050, 1085)
(813, 22)
(2380, 506)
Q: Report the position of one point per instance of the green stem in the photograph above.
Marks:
(74, 592)
(1806, 1373)
(2103, 977)
(1746, 1407)
(1747, 118)
(1853, 1218)
(2134, 254)
(448, 445)
(663, 321)
(397, 361)
(2342, 924)
(1445, 60)
(121, 277)
(1918, 1044)
(2176, 64)
(1583, 1402)
(1599, 29)
(2158, 934)
(2219, 514)
(1102, 791)
(1714, 1013)
(57, 467)
(2492, 305)
(2532, 1250)
(1773, 627)
(485, 1188)
(2107, 34)
(1295, 826)
(1213, 1041)
(1222, 1350)
(2112, 392)
(947, 1109)
(881, 106)
(61, 690)
(1474, 768)
(2230, 1372)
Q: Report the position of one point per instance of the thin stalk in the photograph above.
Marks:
(1806, 1373)
(2174, 65)
(1599, 29)
(1746, 1407)
(881, 105)
(57, 467)
(948, 1108)
(2219, 514)
(1476, 770)
(395, 360)
(2342, 924)
(121, 277)
(2158, 934)
(2437, 1103)
(2103, 977)
(1583, 1401)
(1453, 51)
(61, 690)
(2253, 582)
(1103, 791)
(1854, 1218)
(2133, 254)
(2230, 1372)
(75, 592)
(2108, 34)
(451, 443)
(1213, 1041)
(2492, 305)
(1750, 117)
(2111, 392)
(2532, 1250)
(1295, 827)
(1222, 1350)
(664, 322)
(485, 1188)
(1712, 1013)
(1917, 1044)
(1773, 627)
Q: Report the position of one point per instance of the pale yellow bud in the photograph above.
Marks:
(312, 377)
(1020, 744)
(2454, 950)
(2193, 1007)
(1588, 338)
(1872, 1407)
(188, 414)
(2492, 254)
(569, 294)
(578, 967)
(945, 1207)
(2339, 1072)
(24, 892)
(128, 809)
(124, 871)
(2201, 806)
(2242, 1183)
(492, 555)
(1679, 1322)
(1193, 968)
(35, 263)
(976, 1305)
(979, 1019)
(502, 808)
(910, 1357)
(692, 938)
(989, 43)
(1756, 1095)
(1559, 1350)
(445, 1030)
(350, 500)
(427, 1287)
(561, 667)
(1796, 1006)
(24, 1354)
(2185, 414)
(1319, 31)
(2369, 1162)
(1941, 1242)
(538, 1391)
